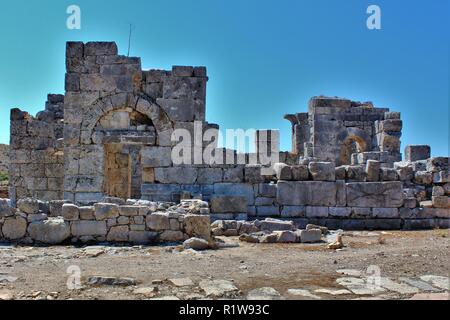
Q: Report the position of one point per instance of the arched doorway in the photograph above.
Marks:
(352, 140)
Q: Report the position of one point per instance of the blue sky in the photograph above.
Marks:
(264, 58)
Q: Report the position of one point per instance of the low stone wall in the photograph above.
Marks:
(138, 222)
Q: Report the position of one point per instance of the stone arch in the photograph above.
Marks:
(352, 140)
(139, 103)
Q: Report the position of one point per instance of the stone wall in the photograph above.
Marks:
(138, 222)
(36, 153)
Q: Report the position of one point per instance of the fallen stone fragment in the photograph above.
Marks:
(338, 244)
(401, 288)
(333, 292)
(421, 285)
(111, 281)
(324, 230)
(218, 288)
(359, 286)
(302, 293)
(265, 293)
(181, 282)
(249, 238)
(196, 244)
(437, 281)
(148, 292)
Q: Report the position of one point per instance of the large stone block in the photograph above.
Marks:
(158, 221)
(375, 194)
(88, 228)
(28, 205)
(316, 212)
(179, 175)
(156, 157)
(322, 171)
(418, 152)
(385, 212)
(198, 226)
(118, 234)
(209, 175)
(313, 193)
(293, 212)
(142, 237)
(282, 171)
(276, 225)
(267, 211)
(14, 228)
(300, 172)
(236, 189)
(104, 211)
(52, 231)
(441, 202)
(228, 204)
(373, 170)
(70, 212)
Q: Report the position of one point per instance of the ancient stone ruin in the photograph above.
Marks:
(97, 165)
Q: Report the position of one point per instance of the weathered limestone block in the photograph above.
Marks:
(267, 211)
(300, 172)
(293, 212)
(118, 234)
(158, 221)
(14, 228)
(253, 174)
(236, 189)
(156, 157)
(70, 212)
(88, 228)
(52, 231)
(404, 170)
(97, 48)
(104, 211)
(210, 175)
(286, 236)
(322, 171)
(441, 177)
(234, 175)
(340, 211)
(228, 204)
(37, 217)
(418, 152)
(341, 193)
(87, 213)
(313, 193)
(198, 226)
(375, 194)
(389, 143)
(275, 225)
(388, 174)
(423, 177)
(129, 211)
(361, 212)
(385, 212)
(316, 212)
(282, 171)
(178, 175)
(28, 205)
(373, 170)
(441, 202)
(356, 173)
(438, 191)
(182, 71)
(184, 110)
(340, 172)
(264, 201)
(5, 209)
(268, 190)
(310, 236)
(391, 125)
(447, 188)
(123, 220)
(437, 164)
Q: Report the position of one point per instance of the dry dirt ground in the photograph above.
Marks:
(42, 273)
